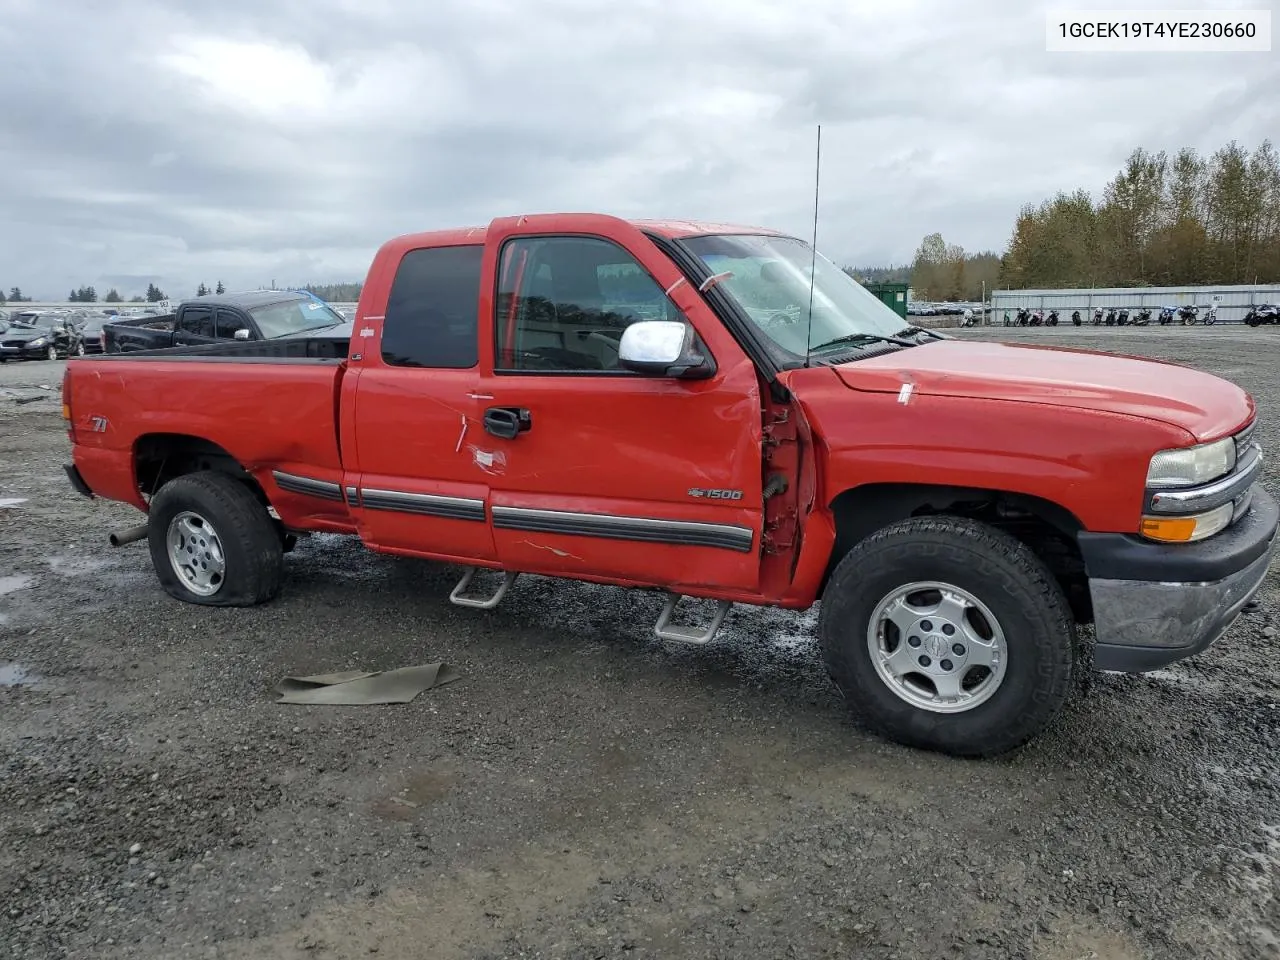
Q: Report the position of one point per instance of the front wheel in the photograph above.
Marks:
(947, 634)
(51, 353)
(80, 349)
(213, 543)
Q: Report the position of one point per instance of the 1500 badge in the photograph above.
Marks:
(715, 494)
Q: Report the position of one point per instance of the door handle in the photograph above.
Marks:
(507, 422)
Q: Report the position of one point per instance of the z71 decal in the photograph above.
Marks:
(715, 494)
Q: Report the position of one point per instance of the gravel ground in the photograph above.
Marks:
(584, 791)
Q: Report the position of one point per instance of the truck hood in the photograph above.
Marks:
(1206, 406)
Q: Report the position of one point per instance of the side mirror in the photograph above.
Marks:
(663, 348)
(241, 334)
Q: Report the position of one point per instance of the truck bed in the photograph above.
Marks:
(139, 333)
(270, 405)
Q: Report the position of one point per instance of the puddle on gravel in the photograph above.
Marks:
(13, 584)
(70, 566)
(16, 675)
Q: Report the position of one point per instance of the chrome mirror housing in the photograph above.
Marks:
(664, 348)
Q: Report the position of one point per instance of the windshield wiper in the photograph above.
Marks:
(916, 331)
(860, 338)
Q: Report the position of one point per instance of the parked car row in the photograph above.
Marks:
(56, 334)
(921, 308)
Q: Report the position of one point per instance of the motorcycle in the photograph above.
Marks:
(1111, 317)
(1142, 318)
(1097, 316)
(1190, 314)
(1166, 316)
(1122, 318)
(1211, 316)
(1258, 315)
(1037, 319)
(1024, 317)
(1075, 318)
(1052, 319)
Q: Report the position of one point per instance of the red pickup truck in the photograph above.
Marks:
(681, 406)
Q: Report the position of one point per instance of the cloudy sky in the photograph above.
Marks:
(257, 140)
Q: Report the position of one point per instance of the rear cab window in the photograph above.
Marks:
(432, 314)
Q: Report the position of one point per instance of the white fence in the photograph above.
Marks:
(1233, 301)
(7, 308)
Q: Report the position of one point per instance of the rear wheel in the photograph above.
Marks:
(213, 543)
(947, 634)
(51, 353)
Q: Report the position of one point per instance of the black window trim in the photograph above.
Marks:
(481, 246)
(615, 374)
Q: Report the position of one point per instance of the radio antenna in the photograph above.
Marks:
(813, 262)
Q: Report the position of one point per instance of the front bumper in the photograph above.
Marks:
(1154, 604)
(24, 353)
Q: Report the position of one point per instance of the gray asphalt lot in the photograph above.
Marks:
(585, 790)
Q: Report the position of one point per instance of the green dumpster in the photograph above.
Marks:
(892, 295)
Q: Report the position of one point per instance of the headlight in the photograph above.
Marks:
(1190, 528)
(38, 342)
(1191, 466)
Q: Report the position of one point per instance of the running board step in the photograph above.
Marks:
(666, 631)
(483, 603)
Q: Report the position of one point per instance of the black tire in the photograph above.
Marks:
(1005, 576)
(251, 546)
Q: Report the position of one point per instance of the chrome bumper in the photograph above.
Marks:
(1149, 623)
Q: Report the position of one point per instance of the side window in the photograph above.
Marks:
(197, 320)
(432, 316)
(563, 303)
(226, 323)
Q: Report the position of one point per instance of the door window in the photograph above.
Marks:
(228, 323)
(197, 321)
(563, 303)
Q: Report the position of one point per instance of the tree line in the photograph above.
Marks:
(1163, 220)
(90, 295)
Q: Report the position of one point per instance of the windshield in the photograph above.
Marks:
(770, 282)
(294, 316)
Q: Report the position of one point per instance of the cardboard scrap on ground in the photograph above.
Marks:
(358, 688)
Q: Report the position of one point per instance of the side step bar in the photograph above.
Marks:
(684, 634)
(482, 603)
(663, 629)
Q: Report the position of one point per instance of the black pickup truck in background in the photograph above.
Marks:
(258, 315)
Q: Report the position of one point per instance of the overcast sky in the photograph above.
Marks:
(252, 140)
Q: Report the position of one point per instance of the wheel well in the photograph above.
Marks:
(1047, 528)
(161, 457)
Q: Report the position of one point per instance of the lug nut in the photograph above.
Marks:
(913, 641)
(926, 626)
(925, 661)
(948, 629)
(946, 664)
(958, 649)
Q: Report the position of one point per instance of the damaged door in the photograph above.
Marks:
(410, 406)
(594, 469)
